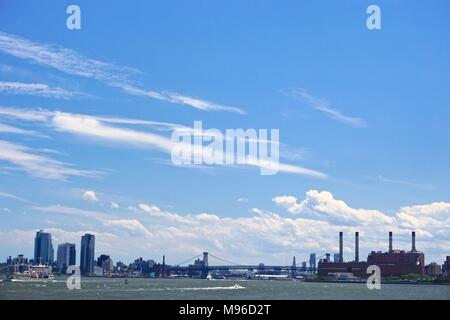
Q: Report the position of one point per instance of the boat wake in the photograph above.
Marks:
(234, 287)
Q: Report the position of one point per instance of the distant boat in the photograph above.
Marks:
(209, 276)
(35, 273)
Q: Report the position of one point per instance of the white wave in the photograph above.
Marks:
(235, 287)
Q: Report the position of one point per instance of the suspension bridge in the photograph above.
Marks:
(202, 267)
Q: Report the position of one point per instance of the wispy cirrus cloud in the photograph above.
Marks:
(38, 165)
(5, 128)
(101, 128)
(177, 98)
(73, 63)
(36, 89)
(325, 107)
(12, 196)
(65, 60)
(94, 128)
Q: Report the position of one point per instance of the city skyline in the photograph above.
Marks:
(66, 255)
(86, 118)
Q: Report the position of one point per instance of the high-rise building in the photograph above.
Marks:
(337, 258)
(87, 260)
(312, 262)
(446, 267)
(66, 256)
(433, 269)
(43, 248)
(101, 260)
(105, 262)
(303, 269)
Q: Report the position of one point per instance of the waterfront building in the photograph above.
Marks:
(433, 269)
(391, 263)
(336, 258)
(43, 248)
(312, 262)
(446, 267)
(65, 257)
(87, 254)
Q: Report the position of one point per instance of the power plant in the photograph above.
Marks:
(391, 263)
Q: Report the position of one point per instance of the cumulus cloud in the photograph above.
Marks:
(324, 205)
(132, 225)
(149, 208)
(431, 220)
(265, 236)
(90, 195)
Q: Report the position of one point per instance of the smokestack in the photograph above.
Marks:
(390, 241)
(163, 271)
(356, 246)
(413, 240)
(341, 247)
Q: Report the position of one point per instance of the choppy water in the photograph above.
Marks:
(99, 288)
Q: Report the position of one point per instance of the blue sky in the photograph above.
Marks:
(367, 108)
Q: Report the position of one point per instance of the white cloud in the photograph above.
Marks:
(36, 89)
(39, 165)
(114, 205)
(4, 128)
(73, 63)
(434, 217)
(149, 208)
(38, 115)
(74, 212)
(90, 195)
(323, 106)
(244, 200)
(65, 60)
(12, 196)
(132, 225)
(177, 98)
(100, 128)
(324, 205)
(263, 236)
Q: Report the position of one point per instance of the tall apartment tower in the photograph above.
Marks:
(87, 257)
(43, 248)
(66, 256)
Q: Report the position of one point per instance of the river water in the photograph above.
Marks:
(138, 288)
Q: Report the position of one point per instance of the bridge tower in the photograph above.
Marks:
(293, 268)
(205, 265)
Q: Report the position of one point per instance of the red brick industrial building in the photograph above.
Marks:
(391, 263)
